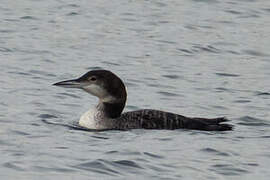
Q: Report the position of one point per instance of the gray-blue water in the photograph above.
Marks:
(203, 58)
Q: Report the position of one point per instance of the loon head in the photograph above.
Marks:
(103, 84)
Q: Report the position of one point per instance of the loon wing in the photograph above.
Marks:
(154, 119)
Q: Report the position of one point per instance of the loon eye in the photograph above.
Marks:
(93, 78)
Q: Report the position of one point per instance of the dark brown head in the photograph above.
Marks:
(104, 84)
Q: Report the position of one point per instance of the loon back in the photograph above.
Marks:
(155, 119)
(112, 95)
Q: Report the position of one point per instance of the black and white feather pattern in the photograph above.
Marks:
(155, 119)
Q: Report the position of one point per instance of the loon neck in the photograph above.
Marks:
(111, 110)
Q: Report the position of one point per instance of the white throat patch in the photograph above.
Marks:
(101, 93)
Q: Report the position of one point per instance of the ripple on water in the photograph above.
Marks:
(94, 68)
(156, 168)
(112, 168)
(220, 107)
(209, 49)
(131, 108)
(20, 133)
(72, 14)
(206, 1)
(63, 95)
(98, 166)
(227, 74)
(242, 101)
(44, 73)
(215, 152)
(153, 155)
(166, 42)
(233, 12)
(126, 164)
(11, 20)
(262, 93)
(185, 51)
(19, 73)
(222, 89)
(171, 76)
(47, 116)
(167, 94)
(228, 169)
(267, 9)
(68, 6)
(110, 63)
(251, 121)
(3, 49)
(255, 53)
(52, 169)
(29, 18)
(15, 165)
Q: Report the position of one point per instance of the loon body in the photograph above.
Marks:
(112, 95)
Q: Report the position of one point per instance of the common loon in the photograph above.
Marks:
(107, 115)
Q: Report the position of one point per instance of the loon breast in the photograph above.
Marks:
(96, 120)
(88, 120)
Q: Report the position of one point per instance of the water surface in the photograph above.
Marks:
(203, 58)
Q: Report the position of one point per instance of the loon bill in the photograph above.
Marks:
(112, 95)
